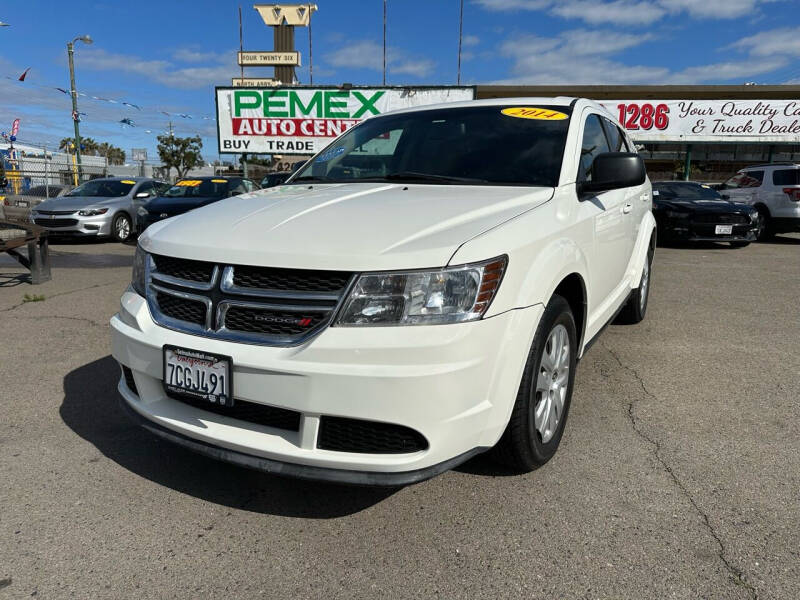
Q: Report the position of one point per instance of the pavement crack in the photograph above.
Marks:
(737, 575)
(80, 319)
(91, 287)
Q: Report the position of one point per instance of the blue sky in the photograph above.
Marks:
(167, 56)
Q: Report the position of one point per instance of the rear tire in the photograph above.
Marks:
(121, 228)
(635, 308)
(537, 421)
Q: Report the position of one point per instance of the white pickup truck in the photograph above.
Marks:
(419, 292)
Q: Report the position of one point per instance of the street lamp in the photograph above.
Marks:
(74, 93)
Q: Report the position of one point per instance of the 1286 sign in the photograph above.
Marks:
(305, 120)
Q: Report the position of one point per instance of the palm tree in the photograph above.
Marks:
(66, 144)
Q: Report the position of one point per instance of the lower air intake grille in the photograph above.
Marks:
(56, 222)
(368, 437)
(260, 414)
(128, 375)
(182, 309)
(721, 218)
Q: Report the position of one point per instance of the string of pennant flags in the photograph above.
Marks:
(125, 121)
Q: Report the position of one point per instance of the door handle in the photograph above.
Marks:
(644, 197)
(627, 208)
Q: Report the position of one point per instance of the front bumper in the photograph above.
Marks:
(687, 231)
(75, 225)
(454, 384)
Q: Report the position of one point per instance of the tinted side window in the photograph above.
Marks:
(594, 143)
(756, 176)
(786, 177)
(147, 187)
(615, 139)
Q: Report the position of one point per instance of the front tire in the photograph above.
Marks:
(764, 232)
(739, 244)
(121, 228)
(540, 411)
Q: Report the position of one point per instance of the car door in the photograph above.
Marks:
(743, 187)
(637, 199)
(612, 246)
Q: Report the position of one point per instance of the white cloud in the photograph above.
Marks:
(190, 55)
(470, 40)
(618, 12)
(586, 57)
(630, 12)
(160, 71)
(784, 41)
(367, 54)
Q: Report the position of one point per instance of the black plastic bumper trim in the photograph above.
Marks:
(298, 471)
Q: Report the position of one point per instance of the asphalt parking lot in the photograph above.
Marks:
(678, 476)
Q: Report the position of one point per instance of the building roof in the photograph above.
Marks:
(644, 92)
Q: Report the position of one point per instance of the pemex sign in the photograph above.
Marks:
(295, 120)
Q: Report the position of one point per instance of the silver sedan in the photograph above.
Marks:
(97, 208)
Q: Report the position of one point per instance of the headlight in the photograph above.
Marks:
(92, 212)
(754, 215)
(448, 295)
(672, 214)
(141, 211)
(139, 271)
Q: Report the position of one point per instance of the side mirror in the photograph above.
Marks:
(613, 171)
(142, 195)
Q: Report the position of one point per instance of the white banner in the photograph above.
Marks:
(759, 121)
(296, 120)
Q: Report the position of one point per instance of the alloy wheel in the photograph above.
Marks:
(552, 382)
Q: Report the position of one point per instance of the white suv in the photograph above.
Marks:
(419, 292)
(774, 190)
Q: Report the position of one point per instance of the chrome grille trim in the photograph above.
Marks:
(195, 285)
(173, 323)
(217, 298)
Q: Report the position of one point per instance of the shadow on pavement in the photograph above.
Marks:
(14, 279)
(91, 409)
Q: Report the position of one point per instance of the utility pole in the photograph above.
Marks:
(460, 34)
(384, 42)
(74, 93)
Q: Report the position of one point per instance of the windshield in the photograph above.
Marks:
(485, 145)
(103, 188)
(685, 191)
(198, 188)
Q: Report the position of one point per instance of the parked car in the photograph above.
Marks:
(773, 190)
(188, 194)
(18, 206)
(273, 179)
(97, 208)
(386, 316)
(695, 212)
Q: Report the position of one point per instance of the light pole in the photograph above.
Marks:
(74, 93)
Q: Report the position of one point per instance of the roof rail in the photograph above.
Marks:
(772, 164)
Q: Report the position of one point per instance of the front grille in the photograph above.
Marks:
(721, 218)
(56, 222)
(128, 375)
(260, 414)
(290, 280)
(252, 319)
(182, 309)
(262, 305)
(181, 268)
(56, 212)
(367, 437)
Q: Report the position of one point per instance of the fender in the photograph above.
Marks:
(647, 231)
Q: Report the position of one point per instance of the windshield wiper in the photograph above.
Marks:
(417, 176)
(311, 178)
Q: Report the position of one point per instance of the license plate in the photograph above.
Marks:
(723, 229)
(22, 203)
(199, 375)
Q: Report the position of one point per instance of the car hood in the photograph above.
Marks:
(700, 206)
(176, 206)
(79, 202)
(355, 227)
